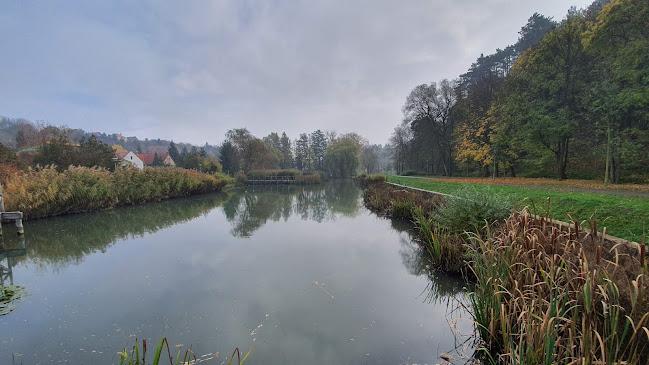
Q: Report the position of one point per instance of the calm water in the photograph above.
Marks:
(306, 274)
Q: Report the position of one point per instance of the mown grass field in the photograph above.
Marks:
(624, 216)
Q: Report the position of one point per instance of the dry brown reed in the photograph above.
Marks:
(551, 295)
(45, 192)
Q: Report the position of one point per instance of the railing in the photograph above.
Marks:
(272, 179)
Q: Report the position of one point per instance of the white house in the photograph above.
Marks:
(132, 158)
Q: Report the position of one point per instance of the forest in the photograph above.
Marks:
(569, 99)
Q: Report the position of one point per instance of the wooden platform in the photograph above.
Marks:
(272, 179)
(16, 217)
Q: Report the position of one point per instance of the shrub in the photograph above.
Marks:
(470, 210)
(376, 178)
(409, 173)
(241, 178)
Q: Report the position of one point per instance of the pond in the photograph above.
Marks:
(307, 274)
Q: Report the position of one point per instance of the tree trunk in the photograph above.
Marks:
(607, 169)
(563, 158)
(485, 171)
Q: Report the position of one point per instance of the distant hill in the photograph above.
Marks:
(19, 132)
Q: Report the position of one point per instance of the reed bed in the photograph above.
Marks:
(543, 293)
(45, 192)
(313, 179)
(260, 174)
(546, 295)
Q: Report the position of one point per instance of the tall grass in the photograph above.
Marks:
(45, 192)
(547, 296)
(138, 357)
(470, 210)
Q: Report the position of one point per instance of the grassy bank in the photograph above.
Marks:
(624, 216)
(45, 192)
(542, 294)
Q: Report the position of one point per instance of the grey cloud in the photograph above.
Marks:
(191, 70)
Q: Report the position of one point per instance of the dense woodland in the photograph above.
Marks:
(569, 100)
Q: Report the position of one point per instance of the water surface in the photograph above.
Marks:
(305, 273)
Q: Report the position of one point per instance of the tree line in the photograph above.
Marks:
(569, 99)
(316, 152)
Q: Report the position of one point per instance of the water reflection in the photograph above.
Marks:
(250, 210)
(11, 253)
(264, 256)
(61, 241)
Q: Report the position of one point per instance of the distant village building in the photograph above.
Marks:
(148, 158)
(140, 160)
(131, 158)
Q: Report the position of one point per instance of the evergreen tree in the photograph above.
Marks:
(157, 161)
(318, 149)
(287, 153)
(303, 153)
(173, 151)
(228, 157)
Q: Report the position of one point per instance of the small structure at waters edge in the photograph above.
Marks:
(17, 217)
(272, 179)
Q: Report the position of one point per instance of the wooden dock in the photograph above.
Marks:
(272, 180)
(16, 217)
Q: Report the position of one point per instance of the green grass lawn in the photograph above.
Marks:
(624, 216)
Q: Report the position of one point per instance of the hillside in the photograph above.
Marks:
(19, 133)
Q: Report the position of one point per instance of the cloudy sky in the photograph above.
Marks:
(189, 70)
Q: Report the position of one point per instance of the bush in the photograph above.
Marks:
(470, 209)
(363, 180)
(376, 178)
(323, 175)
(401, 209)
(241, 178)
(409, 173)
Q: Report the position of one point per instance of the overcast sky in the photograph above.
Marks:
(190, 70)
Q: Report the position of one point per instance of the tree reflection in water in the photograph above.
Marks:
(251, 209)
(62, 241)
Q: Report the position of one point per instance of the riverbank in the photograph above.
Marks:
(542, 293)
(625, 216)
(45, 192)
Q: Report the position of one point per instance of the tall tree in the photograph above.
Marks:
(369, 158)
(549, 87)
(619, 40)
(228, 156)
(431, 106)
(287, 153)
(318, 149)
(303, 153)
(172, 150)
(341, 158)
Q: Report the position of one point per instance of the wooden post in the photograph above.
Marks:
(19, 225)
(2, 201)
